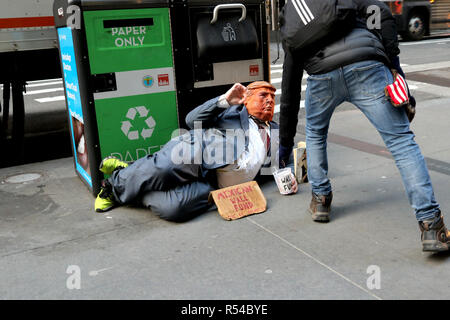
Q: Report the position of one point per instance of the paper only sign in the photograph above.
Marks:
(129, 36)
(240, 200)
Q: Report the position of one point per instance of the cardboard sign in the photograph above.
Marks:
(240, 200)
(300, 165)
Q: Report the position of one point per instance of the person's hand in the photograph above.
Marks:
(295, 184)
(236, 94)
(412, 101)
(410, 111)
(396, 64)
(284, 154)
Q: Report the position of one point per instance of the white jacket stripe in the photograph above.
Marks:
(307, 9)
(305, 14)
(298, 11)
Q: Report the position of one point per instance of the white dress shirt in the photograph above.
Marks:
(247, 166)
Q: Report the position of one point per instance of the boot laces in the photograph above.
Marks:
(106, 191)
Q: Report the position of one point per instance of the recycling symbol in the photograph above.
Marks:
(133, 133)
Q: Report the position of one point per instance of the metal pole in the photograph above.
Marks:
(18, 128)
(5, 116)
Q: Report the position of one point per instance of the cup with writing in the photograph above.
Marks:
(285, 180)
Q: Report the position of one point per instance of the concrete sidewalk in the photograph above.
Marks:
(49, 224)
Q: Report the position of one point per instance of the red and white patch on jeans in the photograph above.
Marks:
(398, 91)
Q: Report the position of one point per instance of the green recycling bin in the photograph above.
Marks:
(133, 48)
(119, 80)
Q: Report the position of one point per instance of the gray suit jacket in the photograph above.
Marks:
(219, 136)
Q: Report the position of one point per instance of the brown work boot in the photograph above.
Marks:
(435, 236)
(320, 207)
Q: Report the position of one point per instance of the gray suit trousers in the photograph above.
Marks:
(174, 191)
(179, 204)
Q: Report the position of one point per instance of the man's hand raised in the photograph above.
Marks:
(236, 94)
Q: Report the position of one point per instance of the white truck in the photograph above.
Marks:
(28, 51)
(26, 25)
(27, 40)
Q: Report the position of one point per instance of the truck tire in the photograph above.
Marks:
(416, 28)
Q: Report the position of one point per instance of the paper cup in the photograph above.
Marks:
(284, 179)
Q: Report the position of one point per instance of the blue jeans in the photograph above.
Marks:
(363, 84)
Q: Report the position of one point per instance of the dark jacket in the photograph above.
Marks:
(359, 44)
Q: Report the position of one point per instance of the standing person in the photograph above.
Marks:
(356, 68)
(176, 181)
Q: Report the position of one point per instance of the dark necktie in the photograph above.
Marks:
(262, 126)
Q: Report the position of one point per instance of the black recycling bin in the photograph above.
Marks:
(227, 42)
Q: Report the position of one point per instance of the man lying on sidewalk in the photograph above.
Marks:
(233, 143)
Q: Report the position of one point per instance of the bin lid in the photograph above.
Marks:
(227, 39)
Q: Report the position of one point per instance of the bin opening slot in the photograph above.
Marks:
(103, 82)
(120, 23)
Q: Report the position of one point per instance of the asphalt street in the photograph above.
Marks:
(54, 246)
